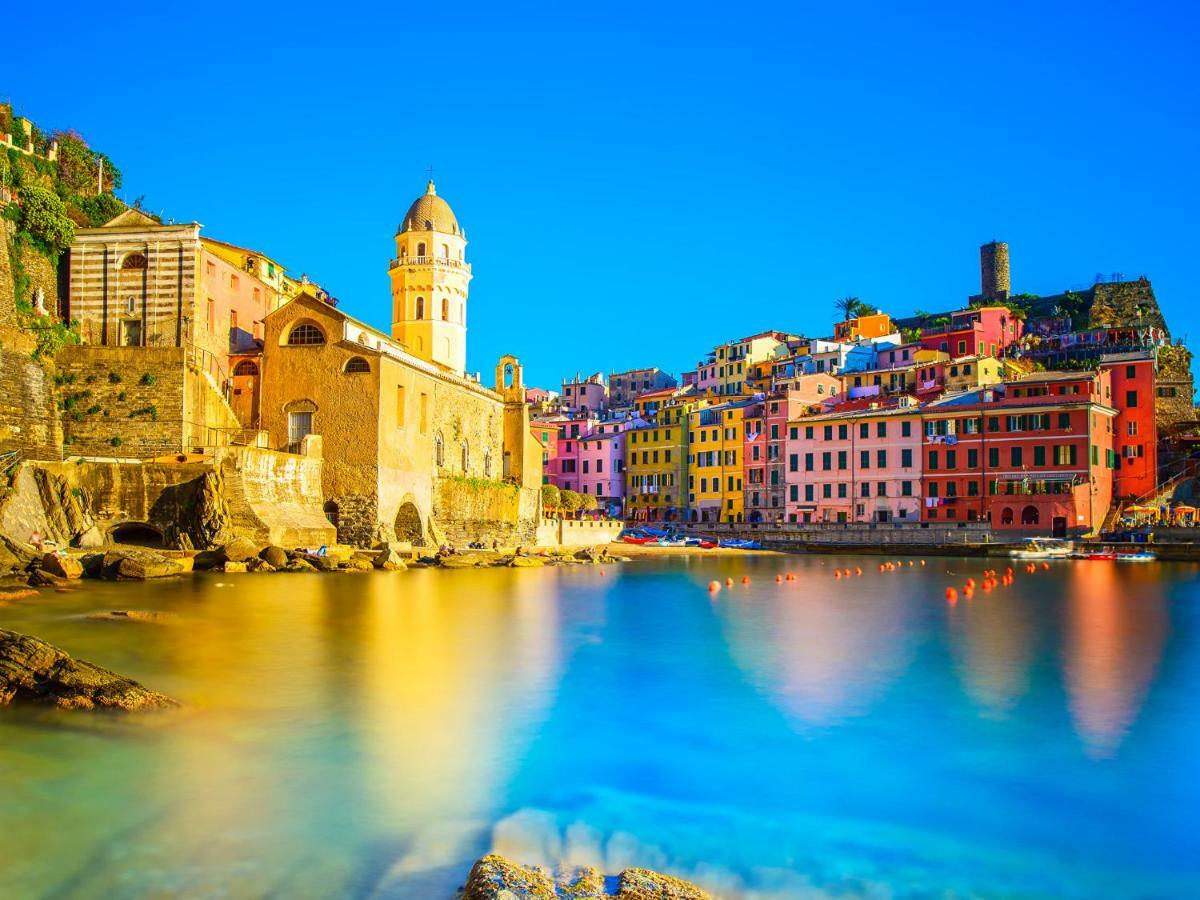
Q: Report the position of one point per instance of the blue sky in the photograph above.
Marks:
(639, 185)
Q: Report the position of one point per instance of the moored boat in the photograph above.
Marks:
(1140, 556)
(1042, 548)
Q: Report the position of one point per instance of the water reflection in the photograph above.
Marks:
(994, 638)
(823, 650)
(1116, 625)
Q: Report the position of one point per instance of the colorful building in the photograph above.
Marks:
(981, 331)
(1135, 433)
(1034, 455)
(859, 463)
(602, 469)
(715, 452)
(624, 387)
(875, 325)
(585, 395)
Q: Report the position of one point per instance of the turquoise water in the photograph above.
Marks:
(369, 735)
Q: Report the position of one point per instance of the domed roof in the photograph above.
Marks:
(430, 212)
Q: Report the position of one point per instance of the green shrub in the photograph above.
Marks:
(44, 218)
(115, 441)
(114, 378)
(149, 379)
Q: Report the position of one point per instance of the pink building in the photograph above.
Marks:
(563, 468)
(602, 470)
(585, 395)
(860, 463)
(984, 331)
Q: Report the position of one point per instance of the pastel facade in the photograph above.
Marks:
(857, 465)
(715, 454)
(982, 331)
(587, 396)
(602, 470)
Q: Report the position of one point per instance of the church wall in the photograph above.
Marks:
(347, 410)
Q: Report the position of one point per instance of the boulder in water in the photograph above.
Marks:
(240, 549)
(62, 566)
(495, 878)
(138, 565)
(32, 671)
(275, 556)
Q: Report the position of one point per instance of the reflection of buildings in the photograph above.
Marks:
(995, 645)
(822, 655)
(1116, 624)
(453, 680)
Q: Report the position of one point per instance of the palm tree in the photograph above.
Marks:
(849, 307)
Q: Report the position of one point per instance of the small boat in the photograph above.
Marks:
(1042, 548)
(1139, 557)
(741, 544)
(671, 542)
(706, 545)
(1095, 554)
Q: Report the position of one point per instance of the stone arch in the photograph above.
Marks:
(134, 260)
(246, 367)
(139, 534)
(409, 524)
(332, 512)
(356, 364)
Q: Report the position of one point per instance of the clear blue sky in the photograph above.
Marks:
(640, 185)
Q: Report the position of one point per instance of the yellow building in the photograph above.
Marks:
(735, 360)
(429, 283)
(656, 463)
(971, 372)
(716, 440)
(414, 450)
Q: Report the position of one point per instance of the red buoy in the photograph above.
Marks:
(714, 586)
(951, 594)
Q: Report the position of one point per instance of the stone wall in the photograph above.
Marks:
(43, 274)
(29, 419)
(477, 509)
(577, 533)
(1125, 303)
(122, 401)
(8, 306)
(267, 496)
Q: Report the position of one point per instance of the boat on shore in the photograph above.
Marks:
(1043, 548)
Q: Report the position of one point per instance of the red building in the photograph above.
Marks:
(1034, 455)
(755, 500)
(1135, 433)
(983, 331)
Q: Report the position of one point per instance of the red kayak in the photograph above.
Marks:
(630, 539)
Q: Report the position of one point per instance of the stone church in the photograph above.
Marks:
(414, 448)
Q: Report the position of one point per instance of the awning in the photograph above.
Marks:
(1037, 476)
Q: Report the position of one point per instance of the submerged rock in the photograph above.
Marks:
(495, 878)
(32, 671)
(131, 615)
(526, 562)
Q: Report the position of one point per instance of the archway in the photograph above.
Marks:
(409, 526)
(1029, 515)
(137, 534)
(331, 513)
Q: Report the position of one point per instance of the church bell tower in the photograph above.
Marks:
(429, 283)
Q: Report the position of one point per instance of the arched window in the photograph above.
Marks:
(445, 251)
(331, 513)
(487, 464)
(439, 449)
(305, 334)
(1006, 516)
(1029, 515)
(421, 248)
(357, 364)
(445, 310)
(245, 367)
(420, 345)
(134, 261)
(466, 457)
(420, 307)
(462, 314)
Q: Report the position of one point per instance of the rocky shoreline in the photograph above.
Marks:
(496, 878)
(23, 566)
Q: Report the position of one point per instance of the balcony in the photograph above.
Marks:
(444, 261)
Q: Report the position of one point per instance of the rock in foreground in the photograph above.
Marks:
(497, 878)
(32, 671)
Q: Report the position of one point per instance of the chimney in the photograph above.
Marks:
(993, 271)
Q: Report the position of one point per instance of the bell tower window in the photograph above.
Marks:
(420, 307)
(421, 248)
